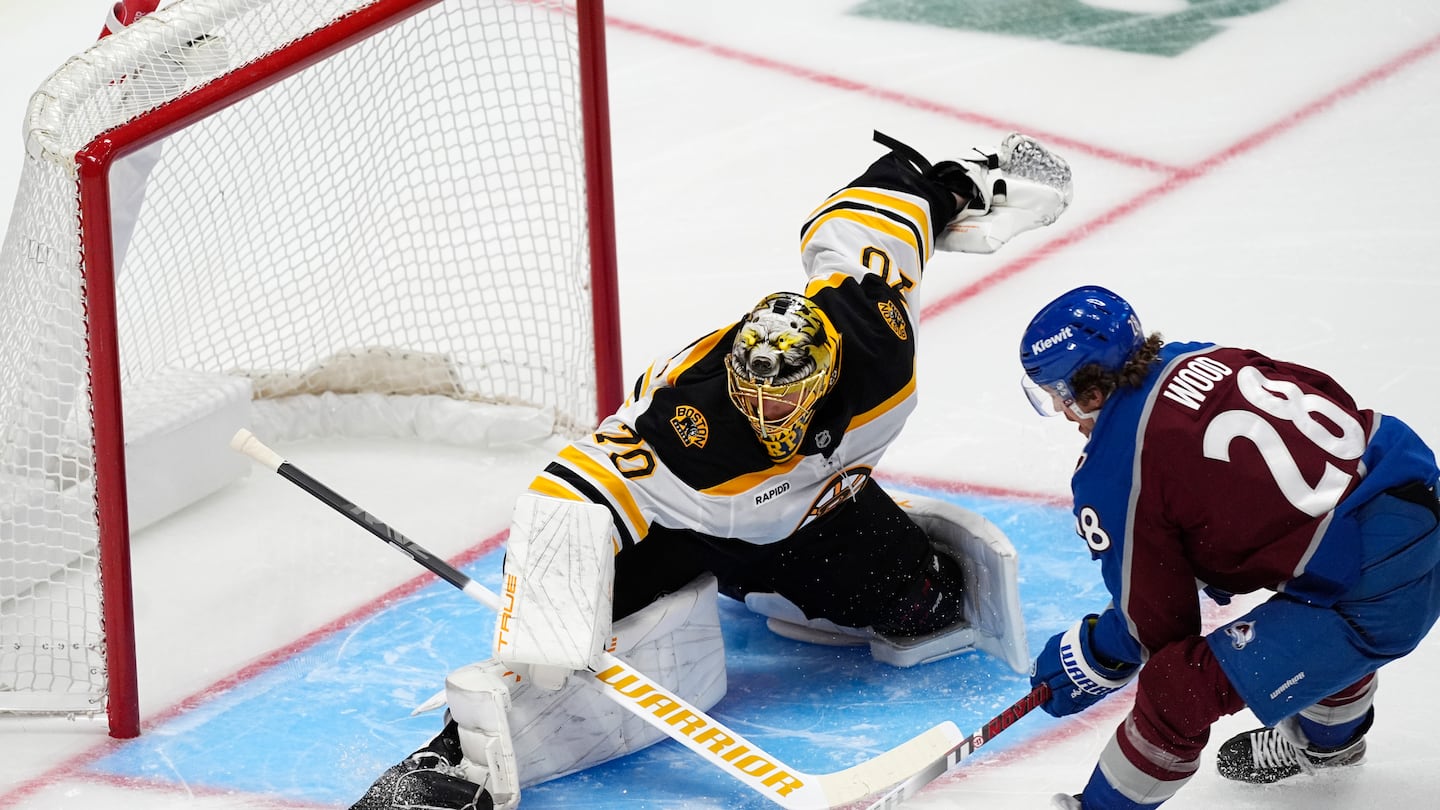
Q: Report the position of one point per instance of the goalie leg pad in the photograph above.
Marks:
(785, 618)
(675, 640)
(992, 618)
(479, 698)
(990, 567)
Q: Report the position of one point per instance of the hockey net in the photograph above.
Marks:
(300, 216)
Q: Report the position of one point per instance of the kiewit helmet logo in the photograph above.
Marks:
(1054, 340)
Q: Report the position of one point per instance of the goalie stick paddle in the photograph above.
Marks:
(653, 703)
(950, 760)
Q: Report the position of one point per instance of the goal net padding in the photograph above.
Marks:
(304, 217)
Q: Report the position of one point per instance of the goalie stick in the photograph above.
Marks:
(950, 760)
(653, 703)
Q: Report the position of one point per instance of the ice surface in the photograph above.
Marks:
(1265, 180)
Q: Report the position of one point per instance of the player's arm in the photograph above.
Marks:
(1156, 602)
(883, 223)
(605, 468)
(890, 220)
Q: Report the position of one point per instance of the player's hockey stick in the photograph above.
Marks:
(653, 703)
(950, 760)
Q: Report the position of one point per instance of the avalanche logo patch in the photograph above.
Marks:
(1241, 634)
(690, 426)
(894, 319)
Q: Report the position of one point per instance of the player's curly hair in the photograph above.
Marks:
(1130, 375)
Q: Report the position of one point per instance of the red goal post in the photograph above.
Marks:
(316, 216)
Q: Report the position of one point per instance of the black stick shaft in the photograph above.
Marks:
(373, 525)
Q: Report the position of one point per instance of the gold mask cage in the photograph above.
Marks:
(786, 351)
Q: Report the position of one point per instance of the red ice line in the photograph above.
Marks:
(1174, 178)
(253, 670)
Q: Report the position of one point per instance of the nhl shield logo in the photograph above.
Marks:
(690, 426)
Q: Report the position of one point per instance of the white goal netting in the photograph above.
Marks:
(362, 217)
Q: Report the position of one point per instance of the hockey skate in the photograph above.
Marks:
(1265, 755)
(429, 779)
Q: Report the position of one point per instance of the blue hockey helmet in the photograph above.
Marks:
(1087, 325)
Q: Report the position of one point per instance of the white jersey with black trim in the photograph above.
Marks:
(678, 454)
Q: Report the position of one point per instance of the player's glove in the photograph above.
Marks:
(969, 178)
(1074, 671)
(1030, 187)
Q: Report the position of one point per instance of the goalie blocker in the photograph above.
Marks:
(559, 585)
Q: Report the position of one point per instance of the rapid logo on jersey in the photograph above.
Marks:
(1154, 27)
(690, 425)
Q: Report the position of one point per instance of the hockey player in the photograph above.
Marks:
(742, 466)
(1223, 470)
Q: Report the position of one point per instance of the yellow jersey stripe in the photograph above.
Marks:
(751, 480)
(917, 213)
(548, 485)
(611, 483)
(885, 407)
(871, 220)
(698, 350)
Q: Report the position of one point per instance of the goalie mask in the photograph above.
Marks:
(786, 356)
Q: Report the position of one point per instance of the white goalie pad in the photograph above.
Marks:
(547, 734)
(991, 569)
(559, 584)
(993, 621)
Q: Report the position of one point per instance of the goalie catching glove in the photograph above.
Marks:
(1022, 187)
(1078, 675)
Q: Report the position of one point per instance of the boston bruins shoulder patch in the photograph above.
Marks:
(690, 426)
(894, 319)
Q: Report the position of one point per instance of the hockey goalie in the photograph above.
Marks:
(741, 467)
